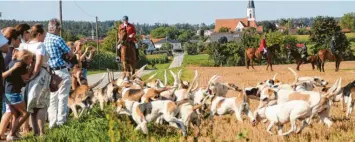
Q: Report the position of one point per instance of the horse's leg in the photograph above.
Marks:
(252, 63)
(298, 65)
(323, 62)
(246, 61)
(270, 62)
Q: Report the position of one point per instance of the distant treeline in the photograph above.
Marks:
(84, 28)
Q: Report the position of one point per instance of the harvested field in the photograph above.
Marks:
(226, 128)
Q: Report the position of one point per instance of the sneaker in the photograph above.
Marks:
(12, 138)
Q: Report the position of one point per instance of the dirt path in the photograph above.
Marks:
(177, 61)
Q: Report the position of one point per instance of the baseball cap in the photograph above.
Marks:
(3, 40)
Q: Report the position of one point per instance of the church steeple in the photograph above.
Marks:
(251, 4)
(251, 11)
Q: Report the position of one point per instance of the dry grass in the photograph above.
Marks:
(226, 128)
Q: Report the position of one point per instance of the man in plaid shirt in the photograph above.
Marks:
(57, 50)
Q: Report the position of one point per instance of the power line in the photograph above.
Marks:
(83, 10)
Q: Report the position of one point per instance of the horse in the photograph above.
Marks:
(127, 53)
(325, 54)
(251, 53)
(297, 56)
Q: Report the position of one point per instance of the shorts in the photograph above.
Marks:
(5, 107)
(14, 98)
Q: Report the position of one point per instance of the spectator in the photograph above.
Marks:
(3, 49)
(82, 56)
(15, 78)
(13, 41)
(57, 49)
(24, 31)
(37, 89)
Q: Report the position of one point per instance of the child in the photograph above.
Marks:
(15, 77)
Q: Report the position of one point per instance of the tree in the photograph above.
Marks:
(273, 38)
(283, 22)
(167, 46)
(250, 38)
(302, 31)
(191, 48)
(185, 35)
(323, 29)
(69, 36)
(348, 21)
(268, 26)
(224, 29)
(163, 32)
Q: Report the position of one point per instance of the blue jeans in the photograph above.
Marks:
(85, 72)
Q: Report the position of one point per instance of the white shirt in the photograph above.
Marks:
(36, 48)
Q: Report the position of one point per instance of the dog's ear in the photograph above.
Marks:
(316, 79)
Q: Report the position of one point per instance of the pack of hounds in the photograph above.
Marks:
(183, 104)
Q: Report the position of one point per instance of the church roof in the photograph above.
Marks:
(251, 4)
(232, 24)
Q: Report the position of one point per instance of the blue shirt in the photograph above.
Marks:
(14, 82)
(56, 48)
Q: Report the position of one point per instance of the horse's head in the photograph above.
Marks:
(122, 34)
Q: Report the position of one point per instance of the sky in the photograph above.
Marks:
(171, 12)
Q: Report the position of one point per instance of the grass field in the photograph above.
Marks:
(197, 60)
(306, 37)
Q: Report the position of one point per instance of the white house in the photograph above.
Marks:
(176, 44)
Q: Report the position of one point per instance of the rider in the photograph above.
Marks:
(304, 53)
(262, 47)
(333, 46)
(131, 32)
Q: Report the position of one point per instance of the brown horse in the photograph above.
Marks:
(251, 53)
(297, 56)
(127, 53)
(325, 54)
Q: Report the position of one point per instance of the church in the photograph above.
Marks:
(239, 24)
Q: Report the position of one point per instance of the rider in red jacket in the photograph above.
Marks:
(263, 47)
(131, 32)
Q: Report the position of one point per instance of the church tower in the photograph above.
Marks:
(251, 11)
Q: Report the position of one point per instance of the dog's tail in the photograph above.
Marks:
(295, 74)
(195, 107)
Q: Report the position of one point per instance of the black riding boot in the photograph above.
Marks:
(137, 54)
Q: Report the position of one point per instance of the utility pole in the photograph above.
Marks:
(60, 16)
(97, 39)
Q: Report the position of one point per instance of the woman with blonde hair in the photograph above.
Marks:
(15, 77)
(37, 89)
(83, 58)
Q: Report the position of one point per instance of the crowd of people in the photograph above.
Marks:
(30, 55)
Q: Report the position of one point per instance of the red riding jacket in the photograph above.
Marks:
(130, 30)
(262, 45)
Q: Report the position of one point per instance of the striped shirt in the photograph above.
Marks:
(56, 48)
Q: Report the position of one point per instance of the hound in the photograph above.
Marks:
(143, 113)
(221, 105)
(107, 93)
(345, 97)
(81, 94)
(221, 89)
(281, 114)
(319, 102)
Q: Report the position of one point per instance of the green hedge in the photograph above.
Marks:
(158, 59)
(104, 60)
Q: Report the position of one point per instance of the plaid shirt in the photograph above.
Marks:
(56, 48)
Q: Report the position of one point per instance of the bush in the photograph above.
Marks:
(191, 48)
(351, 39)
(103, 60)
(158, 59)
